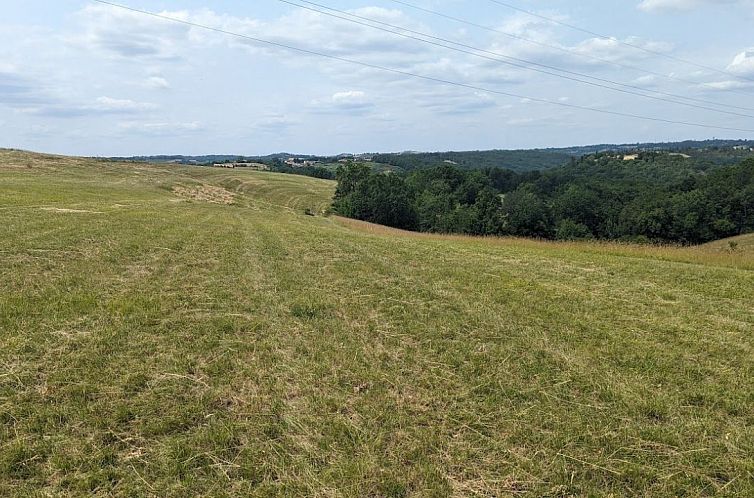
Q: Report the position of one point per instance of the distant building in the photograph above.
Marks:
(253, 166)
(298, 162)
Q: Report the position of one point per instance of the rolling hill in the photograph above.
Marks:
(742, 243)
(708, 153)
(170, 330)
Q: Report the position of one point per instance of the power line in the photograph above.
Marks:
(612, 38)
(497, 57)
(415, 75)
(566, 50)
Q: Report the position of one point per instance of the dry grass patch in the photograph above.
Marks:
(719, 253)
(206, 193)
(68, 210)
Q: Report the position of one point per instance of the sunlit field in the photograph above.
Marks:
(184, 331)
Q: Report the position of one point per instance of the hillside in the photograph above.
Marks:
(514, 160)
(708, 153)
(686, 145)
(742, 243)
(646, 197)
(169, 330)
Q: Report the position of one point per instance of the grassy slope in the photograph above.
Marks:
(158, 345)
(742, 243)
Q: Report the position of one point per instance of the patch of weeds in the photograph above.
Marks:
(655, 413)
(274, 428)
(123, 415)
(223, 325)
(135, 383)
(220, 367)
(392, 488)
(310, 310)
(697, 399)
(99, 482)
(82, 394)
(135, 307)
(175, 419)
(46, 421)
(19, 460)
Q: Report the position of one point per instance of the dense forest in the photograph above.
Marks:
(658, 197)
(717, 150)
(515, 160)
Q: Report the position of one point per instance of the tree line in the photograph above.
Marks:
(657, 197)
(516, 160)
(278, 166)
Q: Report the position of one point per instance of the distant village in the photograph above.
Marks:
(231, 165)
(294, 162)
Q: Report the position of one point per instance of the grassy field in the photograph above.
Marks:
(743, 243)
(177, 331)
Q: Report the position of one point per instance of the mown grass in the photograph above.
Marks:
(156, 344)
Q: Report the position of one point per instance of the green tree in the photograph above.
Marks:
(525, 213)
(569, 229)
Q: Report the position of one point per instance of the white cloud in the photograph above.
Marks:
(524, 25)
(743, 66)
(130, 35)
(347, 102)
(661, 5)
(275, 124)
(615, 50)
(157, 83)
(100, 106)
(727, 85)
(743, 63)
(29, 96)
(351, 96)
(456, 102)
(544, 43)
(134, 36)
(160, 128)
(685, 5)
(17, 90)
(109, 104)
(646, 81)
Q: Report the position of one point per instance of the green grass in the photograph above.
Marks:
(155, 344)
(734, 245)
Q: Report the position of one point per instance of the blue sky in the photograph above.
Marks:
(78, 77)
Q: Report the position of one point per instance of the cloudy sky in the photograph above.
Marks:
(80, 77)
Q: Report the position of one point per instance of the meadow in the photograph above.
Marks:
(186, 331)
